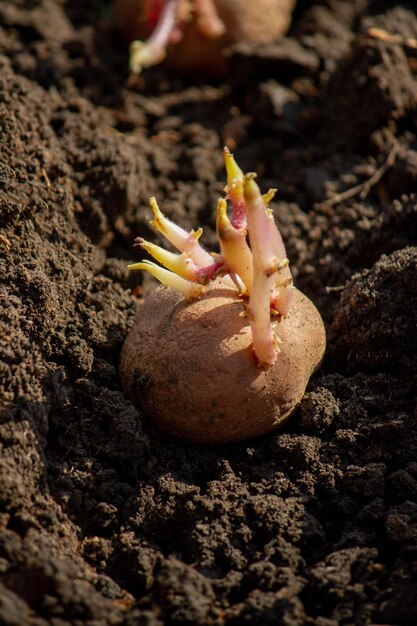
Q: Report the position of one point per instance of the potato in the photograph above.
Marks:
(197, 46)
(190, 365)
(225, 349)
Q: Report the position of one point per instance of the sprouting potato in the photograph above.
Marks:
(225, 349)
(192, 34)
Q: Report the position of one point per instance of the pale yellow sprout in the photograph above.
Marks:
(189, 290)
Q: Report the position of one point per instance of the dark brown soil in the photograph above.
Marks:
(102, 520)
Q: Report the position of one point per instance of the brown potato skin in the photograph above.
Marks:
(191, 367)
(259, 21)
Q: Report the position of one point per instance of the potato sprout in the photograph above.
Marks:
(242, 319)
(260, 270)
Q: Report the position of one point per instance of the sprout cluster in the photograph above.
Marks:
(173, 15)
(252, 257)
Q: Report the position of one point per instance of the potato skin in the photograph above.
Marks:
(260, 21)
(191, 368)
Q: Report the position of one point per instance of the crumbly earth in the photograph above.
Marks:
(102, 520)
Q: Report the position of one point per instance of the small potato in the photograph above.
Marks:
(190, 365)
(203, 28)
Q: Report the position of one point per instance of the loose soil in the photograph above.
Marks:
(102, 520)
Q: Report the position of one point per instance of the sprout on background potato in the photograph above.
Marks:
(168, 30)
(226, 351)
